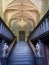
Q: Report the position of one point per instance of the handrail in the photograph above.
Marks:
(40, 22)
(5, 32)
(32, 46)
(1, 20)
(11, 46)
(41, 28)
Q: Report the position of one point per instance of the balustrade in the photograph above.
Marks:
(41, 28)
(5, 31)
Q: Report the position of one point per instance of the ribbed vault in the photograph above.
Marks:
(25, 13)
(21, 9)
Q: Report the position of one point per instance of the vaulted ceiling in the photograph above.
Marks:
(22, 9)
(23, 15)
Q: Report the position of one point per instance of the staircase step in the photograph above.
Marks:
(21, 55)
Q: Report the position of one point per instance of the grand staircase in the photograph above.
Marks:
(21, 54)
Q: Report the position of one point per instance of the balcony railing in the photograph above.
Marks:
(5, 31)
(41, 28)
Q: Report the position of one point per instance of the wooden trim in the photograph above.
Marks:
(32, 47)
(11, 46)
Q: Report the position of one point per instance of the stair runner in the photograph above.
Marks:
(21, 54)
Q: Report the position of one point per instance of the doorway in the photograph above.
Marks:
(21, 35)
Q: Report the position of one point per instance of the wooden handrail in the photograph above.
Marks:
(32, 46)
(11, 46)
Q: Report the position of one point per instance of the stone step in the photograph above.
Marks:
(21, 55)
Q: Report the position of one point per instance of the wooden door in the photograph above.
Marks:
(21, 35)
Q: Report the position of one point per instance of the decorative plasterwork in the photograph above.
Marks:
(38, 4)
(25, 14)
(22, 7)
(31, 3)
(5, 3)
(19, 2)
(8, 3)
(21, 23)
(18, 9)
(30, 14)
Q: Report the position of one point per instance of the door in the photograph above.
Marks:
(21, 35)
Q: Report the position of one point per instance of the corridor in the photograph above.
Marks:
(21, 21)
(21, 54)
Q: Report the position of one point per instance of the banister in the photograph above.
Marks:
(11, 46)
(1, 20)
(41, 28)
(32, 46)
(5, 32)
(45, 16)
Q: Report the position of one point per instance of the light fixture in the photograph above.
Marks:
(21, 23)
